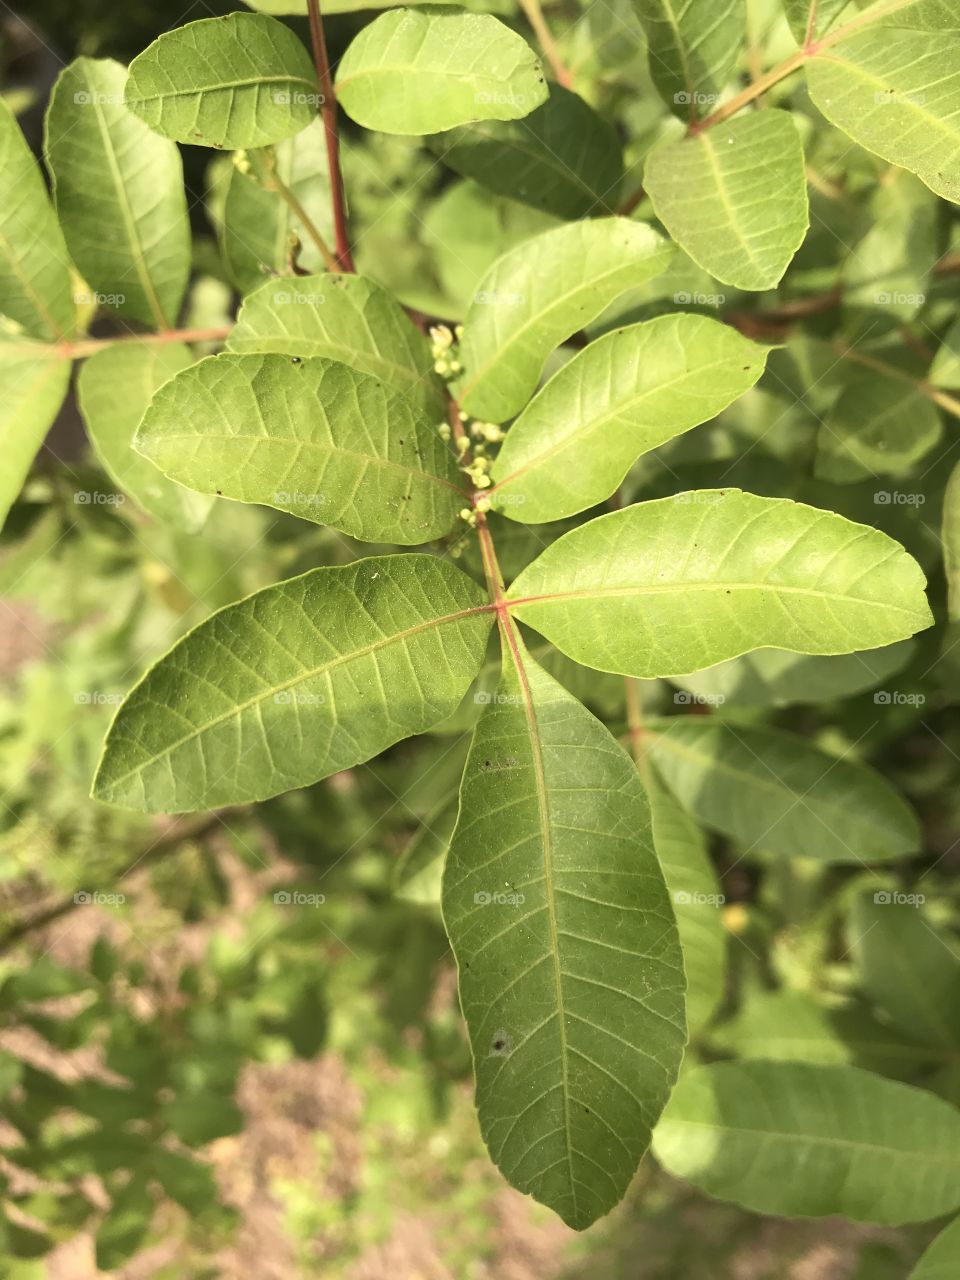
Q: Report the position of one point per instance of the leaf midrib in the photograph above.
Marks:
(818, 1140)
(680, 586)
(220, 87)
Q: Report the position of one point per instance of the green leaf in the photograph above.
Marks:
(312, 437)
(239, 81)
(563, 158)
(257, 225)
(879, 426)
(671, 586)
(123, 1230)
(889, 269)
(539, 294)
(346, 318)
(697, 901)
(35, 289)
(35, 380)
(423, 71)
(899, 97)
(199, 1118)
(945, 370)
(628, 392)
(296, 682)
(119, 194)
(950, 535)
(775, 678)
(571, 978)
(812, 19)
(693, 47)
(735, 197)
(115, 388)
(775, 791)
(802, 1140)
(941, 1259)
(909, 970)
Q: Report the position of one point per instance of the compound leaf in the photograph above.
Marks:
(871, 1149)
(298, 681)
(119, 194)
(668, 587)
(423, 71)
(627, 393)
(243, 80)
(539, 294)
(570, 970)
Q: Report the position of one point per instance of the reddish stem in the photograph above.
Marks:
(328, 111)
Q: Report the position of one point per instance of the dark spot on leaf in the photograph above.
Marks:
(295, 360)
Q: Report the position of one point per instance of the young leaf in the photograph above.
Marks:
(735, 197)
(423, 71)
(346, 318)
(537, 295)
(812, 19)
(119, 194)
(627, 393)
(668, 587)
(34, 380)
(563, 158)
(257, 225)
(35, 290)
(776, 791)
(898, 96)
(909, 970)
(871, 1149)
(879, 426)
(571, 978)
(115, 388)
(697, 900)
(296, 682)
(693, 48)
(312, 437)
(243, 80)
(941, 1259)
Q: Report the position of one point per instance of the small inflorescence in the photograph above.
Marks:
(443, 341)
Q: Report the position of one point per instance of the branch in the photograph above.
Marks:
(328, 111)
(534, 15)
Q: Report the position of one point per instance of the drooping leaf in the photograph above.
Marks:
(693, 47)
(812, 19)
(420, 71)
(114, 389)
(258, 225)
(671, 586)
(776, 791)
(119, 194)
(34, 380)
(312, 437)
(735, 197)
(243, 80)
(775, 678)
(909, 969)
(539, 294)
(570, 971)
(35, 290)
(563, 158)
(871, 1149)
(941, 1259)
(898, 96)
(346, 318)
(296, 682)
(879, 426)
(627, 393)
(695, 892)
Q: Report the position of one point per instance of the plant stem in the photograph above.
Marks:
(309, 226)
(635, 721)
(752, 91)
(328, 111)
(534, 15)
(947, 402)
(90, 346)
